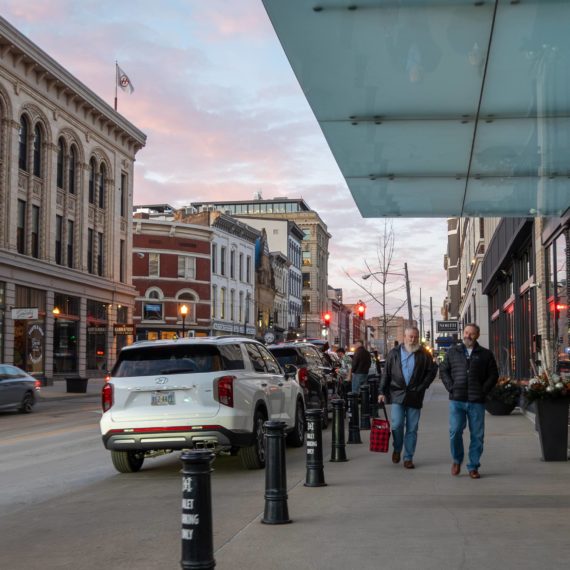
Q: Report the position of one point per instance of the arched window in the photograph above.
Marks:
(38, 151)
(23, 146)
(72, 169)
(92, 174)
(60, 160)
(102, 176)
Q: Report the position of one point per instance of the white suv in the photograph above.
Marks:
(211, 392)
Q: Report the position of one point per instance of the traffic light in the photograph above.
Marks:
(428, 335)
(327, 319)
(360, 309)
(270, 321)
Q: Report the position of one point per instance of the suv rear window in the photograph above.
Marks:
(181, 359)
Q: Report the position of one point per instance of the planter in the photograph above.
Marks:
(499, 408)
(552, 422)
(76, 384)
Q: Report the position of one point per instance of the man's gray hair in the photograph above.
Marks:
(474, 325)
(412, 328)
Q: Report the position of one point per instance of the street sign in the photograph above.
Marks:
(24, 314)
(447, 326)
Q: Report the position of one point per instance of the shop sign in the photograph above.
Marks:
(447, 326)
(24, 314)
(96, 330)
(119, 329)
(226, 327)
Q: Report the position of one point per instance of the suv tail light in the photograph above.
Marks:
(303, 377)
(224, 390)
(107, 396)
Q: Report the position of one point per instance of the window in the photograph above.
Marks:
(124, 194)
(214, 258)
(255, 356)
(307, 258)
(214, 301)
(90, 246)
(189, 300)
(58, 239)
(233, 264)
(186, 267)
(152, 311)
(122, 261)
(232, 304)
(60, 161)
(92, 175)
(248, 269)
(270, 362)
(35, 231)
(70, 242)
(102, 186)
(23, 144)
(306, 280)
(100, 251)
(222, 260)
(240, 307)
(240, 267)
(72, 169)
(306, 304)
(154, 264)
(21, 228)
(222, 303)
(38, 151)
(307, 235)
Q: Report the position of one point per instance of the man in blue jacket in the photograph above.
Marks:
(409, 371)
(468, 372)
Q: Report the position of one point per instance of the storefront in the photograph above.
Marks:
(97, 332)
(65, 334)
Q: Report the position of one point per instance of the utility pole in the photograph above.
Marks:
(409, 296)
(421, 317)
(431, 319)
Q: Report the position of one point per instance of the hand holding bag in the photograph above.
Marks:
(380, 432)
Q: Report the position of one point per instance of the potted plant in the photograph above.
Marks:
(551, 396)
(504, 397)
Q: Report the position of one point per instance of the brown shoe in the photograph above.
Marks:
(455, 469)
(474, 474)
(409, 464)
(396, 457)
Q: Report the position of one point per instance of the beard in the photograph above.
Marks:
(468, 343)
(412, 347)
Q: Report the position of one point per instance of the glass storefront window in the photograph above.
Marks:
(65, 341)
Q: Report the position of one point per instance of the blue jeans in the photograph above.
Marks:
(401, 415)
(357, 380)
(459, 414)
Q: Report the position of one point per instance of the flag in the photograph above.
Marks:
(123, 81)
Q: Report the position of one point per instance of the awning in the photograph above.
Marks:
(439, 108)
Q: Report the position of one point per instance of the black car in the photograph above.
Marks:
(313, 373)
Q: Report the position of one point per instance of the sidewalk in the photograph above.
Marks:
(58, 391)
(374, 514)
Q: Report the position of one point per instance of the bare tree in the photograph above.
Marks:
(383, 275)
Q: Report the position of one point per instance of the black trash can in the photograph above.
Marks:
(76, 384)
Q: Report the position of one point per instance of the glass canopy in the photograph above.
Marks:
(438, 107)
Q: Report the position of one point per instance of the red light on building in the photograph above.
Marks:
(561, 307)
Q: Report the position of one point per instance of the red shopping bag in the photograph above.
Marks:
(380, 433)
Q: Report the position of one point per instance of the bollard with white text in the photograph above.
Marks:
(364, 406)
(353, 421)
(315, 470)
(338, 451)
(197, 534)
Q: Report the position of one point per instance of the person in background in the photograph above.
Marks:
(468, 372)
(361, 362)
(408, 373)
(344, 372)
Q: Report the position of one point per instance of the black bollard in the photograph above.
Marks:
(338, 450)
(276, 510)
(373, 383)
(353, 422)
(315, 471)
(364, 406)
(197, 536)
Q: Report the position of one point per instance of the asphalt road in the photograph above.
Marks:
(63, 505)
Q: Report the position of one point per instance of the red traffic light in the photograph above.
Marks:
(361, 308)
(327, 319)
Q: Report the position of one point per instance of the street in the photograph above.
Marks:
(63, 505)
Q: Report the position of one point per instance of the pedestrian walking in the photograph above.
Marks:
(408, 373)
(361, 363)
(468, 372)
(344, 373)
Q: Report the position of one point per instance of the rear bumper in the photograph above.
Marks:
(186, 438)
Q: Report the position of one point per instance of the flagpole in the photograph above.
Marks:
(116, 81)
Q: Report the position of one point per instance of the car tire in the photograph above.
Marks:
(253, 456)
(127, 461)
(297, 437)
(27, 404)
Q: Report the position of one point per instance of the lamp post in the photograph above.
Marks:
(183, 313)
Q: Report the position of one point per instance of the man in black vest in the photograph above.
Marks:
(468, 372)
(408, 372)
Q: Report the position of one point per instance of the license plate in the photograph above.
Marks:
(163, 399)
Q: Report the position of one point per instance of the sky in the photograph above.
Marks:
(225, 117)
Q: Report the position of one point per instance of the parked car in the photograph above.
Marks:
(18, 390)
(313, 373)
(204, 393)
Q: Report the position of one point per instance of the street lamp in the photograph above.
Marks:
(183, 313)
